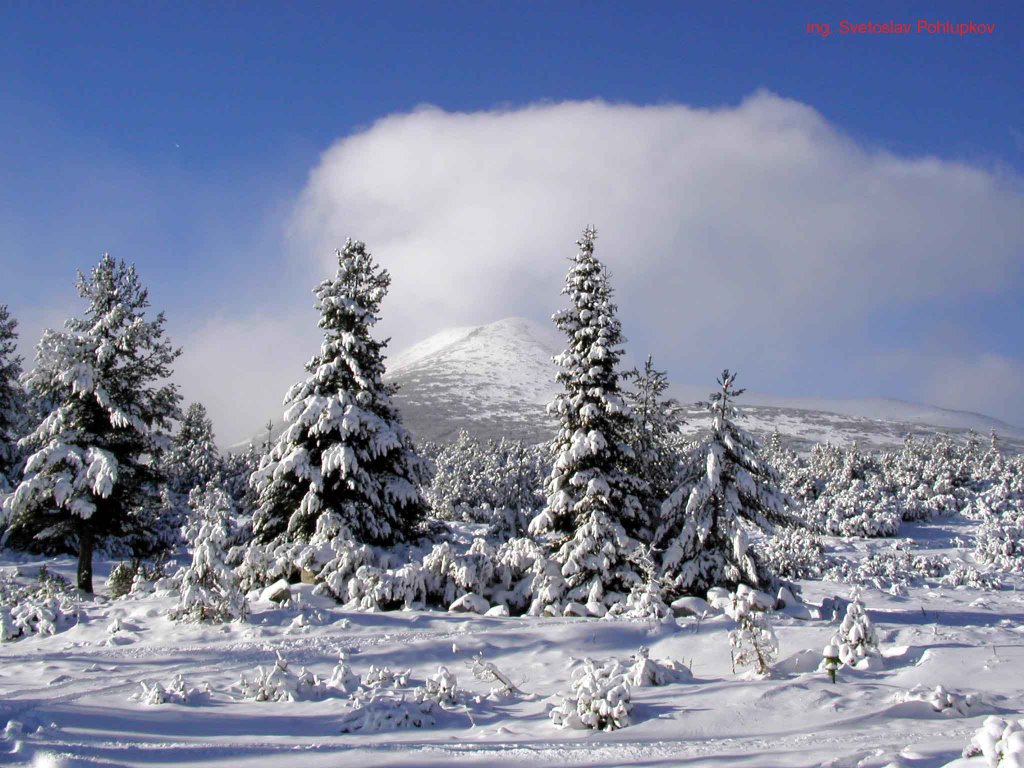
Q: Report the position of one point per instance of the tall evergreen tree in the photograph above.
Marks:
(593, 506)
(13, 402)
(344, 451)
(193, 459)
(704, 536)
(92, 473)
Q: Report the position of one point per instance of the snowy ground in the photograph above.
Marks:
(66, 698)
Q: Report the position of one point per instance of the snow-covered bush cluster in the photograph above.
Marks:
(999, 541)
(382, 700)
(598, 698)
(896, 569)
(845, 492)
(1000, 741)
(44, 608)
(279, 683)
(949, 703)
(793, 553)
(497, 482)
(176, 691)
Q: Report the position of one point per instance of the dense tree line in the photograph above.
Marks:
(618, 513)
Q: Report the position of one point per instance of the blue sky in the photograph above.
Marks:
(182, 136)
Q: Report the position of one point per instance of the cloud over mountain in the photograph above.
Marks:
(758, 236)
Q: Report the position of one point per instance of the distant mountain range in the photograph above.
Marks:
(497, 379)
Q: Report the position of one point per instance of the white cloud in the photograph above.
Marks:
(757, 236)
(241, 368)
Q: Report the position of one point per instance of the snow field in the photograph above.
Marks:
(70, 694)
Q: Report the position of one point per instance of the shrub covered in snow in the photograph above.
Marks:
(441, 687)
(949, 703)
(380, 710)
(342, 678)
(830, 660)
(1000, 741)
(643, 602)
(753, 643)
(793, 553)
(896, 569)
(385, 677)
(122, 575)
(598, 698)
(278, 683)
(45, 608)
(489, 672)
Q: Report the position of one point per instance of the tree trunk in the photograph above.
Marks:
(85, 543)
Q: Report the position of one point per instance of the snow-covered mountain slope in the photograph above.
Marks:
(490, 380)
(496, 379)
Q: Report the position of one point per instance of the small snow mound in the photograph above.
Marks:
(470, 603)
(645, 671)
(690, 606)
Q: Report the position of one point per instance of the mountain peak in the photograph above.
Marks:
(487, 379)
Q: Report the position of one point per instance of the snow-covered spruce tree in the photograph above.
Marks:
(209, 589)
(13, 402)
(594, 509)
(706, 522)
(856, 639)
(345, 451)
(91, 474)
(193, 459)
(654, 433)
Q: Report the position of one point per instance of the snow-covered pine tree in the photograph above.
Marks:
(209, 590)
(345, 450)
(91, 474)
(706, 522)
(594, 508)
(13, 402)
(654, 433)
(193, 459)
